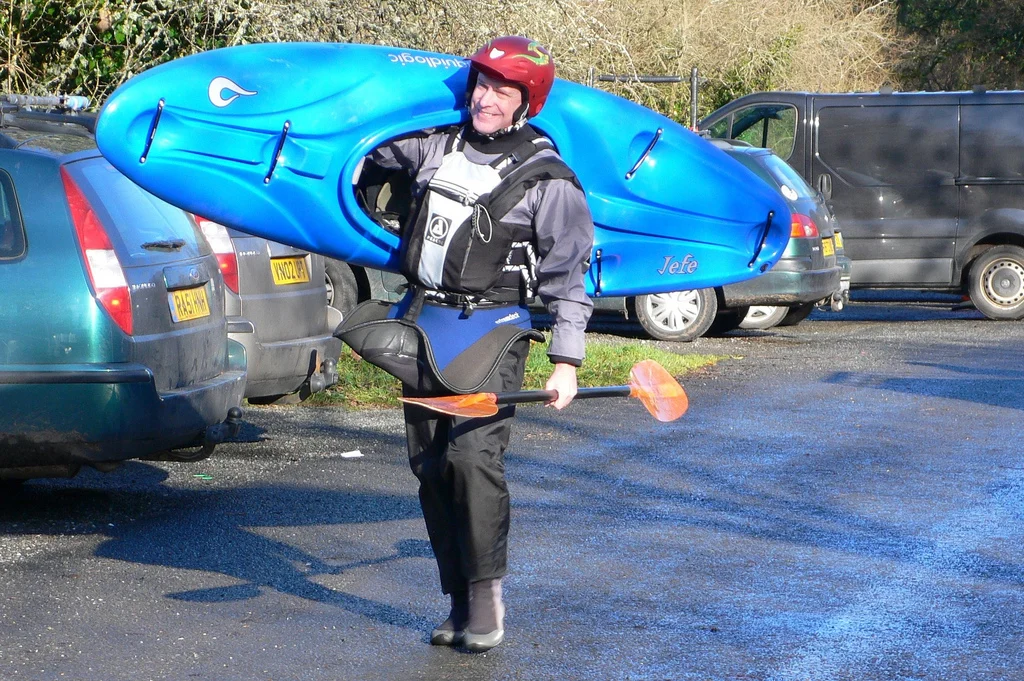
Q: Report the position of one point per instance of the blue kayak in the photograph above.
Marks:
(270, 139)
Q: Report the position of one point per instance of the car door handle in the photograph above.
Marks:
(825, 185)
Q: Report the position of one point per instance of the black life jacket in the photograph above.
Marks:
(456, 241)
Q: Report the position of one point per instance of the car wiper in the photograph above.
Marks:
(166, 245)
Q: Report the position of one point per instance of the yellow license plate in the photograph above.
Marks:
(839, 240)
(289, 270)
(189, 303)
(827, 248)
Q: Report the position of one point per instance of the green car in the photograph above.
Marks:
(113, 338)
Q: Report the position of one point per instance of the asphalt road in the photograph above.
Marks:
(843, 500)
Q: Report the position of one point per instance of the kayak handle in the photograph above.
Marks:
(277, 151)
(643, 156)
(152, 130)
(764, 238)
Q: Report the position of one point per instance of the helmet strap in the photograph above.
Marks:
(497, 134)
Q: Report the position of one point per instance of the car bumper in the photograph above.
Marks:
(783, 286)
(107, 412)
(284, 367)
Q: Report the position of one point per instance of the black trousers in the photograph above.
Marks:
(460, 464)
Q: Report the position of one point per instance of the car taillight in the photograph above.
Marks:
(220, 242)
(105, 272)
(803, 227)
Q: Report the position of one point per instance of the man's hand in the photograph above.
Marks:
(562, 381)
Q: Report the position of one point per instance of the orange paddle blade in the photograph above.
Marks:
(664, 398)
(476, 405)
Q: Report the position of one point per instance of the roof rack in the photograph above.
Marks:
(48, 114)
(60, 102)
(724, 143)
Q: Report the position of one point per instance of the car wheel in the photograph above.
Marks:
(728, 319)
(342, 289)
(996, 282)
(796, 314)
(763, 316)
(679, 315)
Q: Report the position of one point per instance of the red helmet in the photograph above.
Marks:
(520, 61)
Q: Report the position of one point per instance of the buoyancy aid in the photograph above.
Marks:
(470, 273)
(457, 242)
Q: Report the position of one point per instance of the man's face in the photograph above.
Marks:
(493, 103)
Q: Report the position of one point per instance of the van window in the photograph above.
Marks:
(771, 126)
(720, 130)
(878, 146)
(12, 234)
(992, 141)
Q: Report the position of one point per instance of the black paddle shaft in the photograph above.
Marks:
(545, 395)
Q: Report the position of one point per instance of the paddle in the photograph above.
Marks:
(664, 398)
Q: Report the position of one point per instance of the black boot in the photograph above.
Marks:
(450, 632)
(486, 616)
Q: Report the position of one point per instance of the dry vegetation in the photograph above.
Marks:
(739, 45)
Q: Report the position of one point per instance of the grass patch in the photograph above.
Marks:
(363, 386)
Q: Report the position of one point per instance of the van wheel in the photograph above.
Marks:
(342, 289)
(677, 316)
(763, 316)
(796, 314)
(996, 282)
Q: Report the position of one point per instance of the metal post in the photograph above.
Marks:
(694, 81)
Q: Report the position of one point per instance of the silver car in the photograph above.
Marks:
(277, 306)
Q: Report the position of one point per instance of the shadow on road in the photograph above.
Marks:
(216, 531)
(998, 383)
(624, 484)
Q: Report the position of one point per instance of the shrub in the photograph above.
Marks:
(91, 46)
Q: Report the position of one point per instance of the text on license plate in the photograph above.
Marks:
(827, 248)
(289, 270)
(839, 240)
(189, 303)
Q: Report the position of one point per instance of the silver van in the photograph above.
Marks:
(929, 186)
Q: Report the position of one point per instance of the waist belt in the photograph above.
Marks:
(468, 302)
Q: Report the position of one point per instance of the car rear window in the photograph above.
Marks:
(138, 216)
(777, 173)
(12, 233)
(787, 177)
